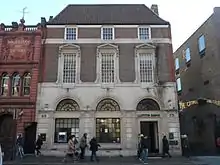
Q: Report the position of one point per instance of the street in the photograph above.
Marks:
(105, 161)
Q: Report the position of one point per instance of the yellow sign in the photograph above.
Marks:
(184, 105)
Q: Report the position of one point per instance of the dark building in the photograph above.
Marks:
(198, 85)
(20, 59)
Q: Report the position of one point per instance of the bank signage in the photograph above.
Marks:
(151, 115)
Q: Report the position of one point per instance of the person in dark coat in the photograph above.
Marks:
(94, 146)
(20, 145)
(166, 147)
(39, 143)
(144, 148)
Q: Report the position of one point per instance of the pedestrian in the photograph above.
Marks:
(166, 147)
(144, 149)
(70, 149)
(94, 146)
(185, 144)
(1, 155)
(83, 145)
(139, 146)
(20, 145)
(39, 143)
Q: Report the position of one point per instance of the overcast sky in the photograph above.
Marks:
(185, 16)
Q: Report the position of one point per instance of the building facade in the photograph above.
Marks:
(197, 70)
(20, 55)
(108, 72)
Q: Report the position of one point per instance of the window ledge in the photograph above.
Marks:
(147, 85)
(68, 86)
(112, 85)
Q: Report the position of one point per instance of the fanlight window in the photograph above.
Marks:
(26, 84)
(68, 105)
(16, 85)
(108, 105)
(147, 105)
(4, 84)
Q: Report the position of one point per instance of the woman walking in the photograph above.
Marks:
(70, 149)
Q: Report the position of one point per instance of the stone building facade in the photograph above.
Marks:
(109, 75)
(197, 70)
(20, 55)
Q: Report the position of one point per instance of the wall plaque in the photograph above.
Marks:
(17, 49)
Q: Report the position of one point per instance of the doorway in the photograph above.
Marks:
(150, 129)
(30, 138)
(7, 135)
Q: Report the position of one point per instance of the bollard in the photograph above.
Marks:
(1, 155)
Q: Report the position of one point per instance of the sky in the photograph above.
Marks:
(185, 16)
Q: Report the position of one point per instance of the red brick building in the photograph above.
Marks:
(20, 59)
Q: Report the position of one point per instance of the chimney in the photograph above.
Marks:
(50, 19)
(154, 8)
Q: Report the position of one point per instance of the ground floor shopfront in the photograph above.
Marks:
(117, 132)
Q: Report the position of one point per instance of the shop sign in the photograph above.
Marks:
(150, 115)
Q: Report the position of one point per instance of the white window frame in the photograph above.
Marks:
(65, 33)
(177, 61)
(113, 33)
(149, 30)
(107, 48)
(68, 48)
(148, 49)
(177, 86)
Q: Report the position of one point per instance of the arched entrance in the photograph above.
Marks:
(149, 124)
(7, 135)
(108, 129)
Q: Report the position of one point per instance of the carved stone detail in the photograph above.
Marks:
(108, 105)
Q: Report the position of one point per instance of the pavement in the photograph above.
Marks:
(46, 160)
(206, 160)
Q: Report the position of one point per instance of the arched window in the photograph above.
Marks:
(68, 105)
(16, 85)
(147, 105)
(108, 105)
(4, 84)
(26, 84)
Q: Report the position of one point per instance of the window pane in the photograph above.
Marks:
(177, 66)
(69, 68)
(107, 68)
(108, 130)
(201, 43)
(188, 58)
(64, 128)
(179, 88)
(143, 33)
(146, 67)
(70, 33)
(107, 33)
(15, 85)
(4, 85)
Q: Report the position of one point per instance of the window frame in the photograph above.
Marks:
(4, 75)
(65, 33)
(148, 49)
(76, 122)
(106, 120)
(107, 48)
(177, 61)
(25, 76)
(68, 48)
(12, 84)
(201, 52)
(113, 33)
(149, 31)
(187, 51)
(177, 86)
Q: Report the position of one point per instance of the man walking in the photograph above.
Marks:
(83, 145)
(144, 149)
(20, 145)
(166, 147)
